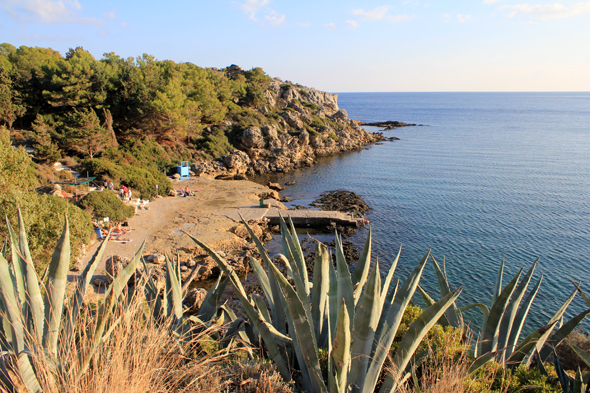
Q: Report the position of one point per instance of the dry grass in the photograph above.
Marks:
(137, 356)
(446, 370)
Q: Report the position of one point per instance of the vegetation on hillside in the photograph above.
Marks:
(43, 214)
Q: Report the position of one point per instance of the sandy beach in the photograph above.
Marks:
(162, 227)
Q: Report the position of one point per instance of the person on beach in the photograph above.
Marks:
(121, 193)
(111, 186)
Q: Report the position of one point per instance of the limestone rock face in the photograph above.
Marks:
(252, 137)
(237, 161)
(292, 119)
(304, 137)
(287, 142)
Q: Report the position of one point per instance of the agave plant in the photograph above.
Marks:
(32, 311)
(503, 322)
(355, 317)
(581, 382)
(37, 318)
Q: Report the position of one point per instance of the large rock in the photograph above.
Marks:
(275, 186)
(304, 137)
(193, 299)
(253, 138)
(237, 161)
(292, 119)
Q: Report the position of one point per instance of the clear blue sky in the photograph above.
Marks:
(337, 46)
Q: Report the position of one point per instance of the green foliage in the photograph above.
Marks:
(215, 143)
(106, 203)
(494, 377)
(311, 106)
(304, 93)
(43, 214)
(333, 136)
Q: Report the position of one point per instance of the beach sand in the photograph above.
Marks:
(162, 226)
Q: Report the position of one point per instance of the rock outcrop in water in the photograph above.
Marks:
(307, 124)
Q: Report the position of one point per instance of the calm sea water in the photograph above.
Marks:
(490, 176)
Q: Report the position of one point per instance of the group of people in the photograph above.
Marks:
(109, 185)
(187, 192)
(125, 193)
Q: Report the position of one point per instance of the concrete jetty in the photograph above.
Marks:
(301, 218)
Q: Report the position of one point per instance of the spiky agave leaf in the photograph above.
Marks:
(56, 290)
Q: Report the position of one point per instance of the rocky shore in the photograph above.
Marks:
(308, 124)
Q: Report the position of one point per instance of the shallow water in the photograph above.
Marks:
(491, 176)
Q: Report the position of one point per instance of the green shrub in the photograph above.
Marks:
(312, 106)
(106, 203)
(43, 214)
(311, 130)
(304, 93)
(333, 136)
(493, 377)
(318, 123)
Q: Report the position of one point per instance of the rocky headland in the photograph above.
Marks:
(307, 124)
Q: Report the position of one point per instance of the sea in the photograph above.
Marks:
(487, 177)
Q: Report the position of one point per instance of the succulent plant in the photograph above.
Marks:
(503, 322)
(354, 316)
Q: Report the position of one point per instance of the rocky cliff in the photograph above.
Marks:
(305, 124)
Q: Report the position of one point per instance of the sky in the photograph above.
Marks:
(335, 46)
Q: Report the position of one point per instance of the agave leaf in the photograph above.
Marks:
(561, 334)
(319, 293)
(520, 318)
(34, 300)
(579, 385)
(235, 328)
(299, 257)
(365, 323)
(389, 278)
(565, 380)
(499, 283)
(484, 309)
(262, 278)
(361, 270)
(389, 324)
(12, 320)
(254, 316)
(452, 317)
(426, 297)
(83, 283)
(28, 376)
(583, 355)
(534, 340)
(345, 290)
(259, 301)
(333, 301)
(56, 289)
(211, 302)
(18, 264)
(482, 360)
(302, 330)
(112, 295)
(490, 332)
(277, 312)
(557, 316)
(511, 310)
(341, 349)
(584, 296)
(174, 296)
(6, 382)
(418, 330)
